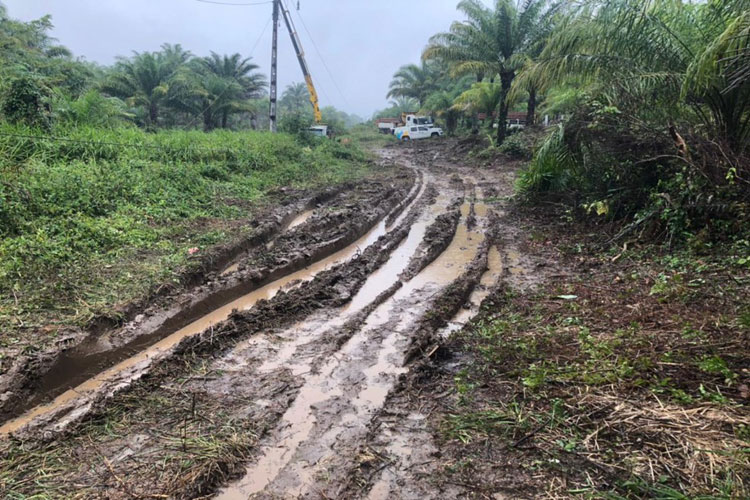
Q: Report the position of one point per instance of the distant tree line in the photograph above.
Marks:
(655, 96)
(42, 83)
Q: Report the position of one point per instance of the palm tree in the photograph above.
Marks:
(239, 82)
(677, 51)
(295, 98)
(482, 97)
(404, 104)
(144, 79)
(490, 43)
(440, 105)
(414, 81)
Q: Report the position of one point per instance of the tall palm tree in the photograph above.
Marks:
(295, 98)
(490, 43)
(680, 52)
(404, 104)
(144, 79)
(230, 81)
(415, 81)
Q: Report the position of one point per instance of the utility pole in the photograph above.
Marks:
(274, 61)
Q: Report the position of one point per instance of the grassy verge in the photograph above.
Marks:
(367, 136)
(626, 376)
(96, 218)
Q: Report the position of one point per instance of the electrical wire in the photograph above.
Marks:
(320, 55)
(252, 51)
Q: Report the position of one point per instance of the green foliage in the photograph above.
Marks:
(25, 101)
(482, 97)
(93, 109)
(518, 146)
(76, 213)
(298, 125)
(553, 167)
(493, 42)
(415, 82)
(639, 79)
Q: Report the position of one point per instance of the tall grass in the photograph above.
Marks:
(94, 219)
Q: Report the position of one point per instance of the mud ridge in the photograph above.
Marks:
(451, 299)
(437, 238)
(396, 212)
(330, 288)
(22, 376)
(294, 250)
(338, 338)
(423, 345)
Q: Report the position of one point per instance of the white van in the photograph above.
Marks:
(415, 132)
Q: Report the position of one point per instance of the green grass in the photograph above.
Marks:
(368, 136)
(94, 221)
(652, 399)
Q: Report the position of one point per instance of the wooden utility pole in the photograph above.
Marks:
(274, 61)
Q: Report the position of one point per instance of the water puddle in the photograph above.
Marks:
(354, 382)
(132, 358)
(301, 219)
(490, 277)
(514, 262)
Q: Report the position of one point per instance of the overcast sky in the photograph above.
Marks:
(363, 42)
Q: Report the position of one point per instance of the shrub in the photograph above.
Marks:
(26, 102)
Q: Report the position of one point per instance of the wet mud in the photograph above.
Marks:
(296, 380)
(298, 253)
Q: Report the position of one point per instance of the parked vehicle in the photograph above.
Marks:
(417, 132)
(319, 130)
(387, 125)
(410, 119)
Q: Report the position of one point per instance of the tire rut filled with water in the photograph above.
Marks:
(337, 232)
(274, 397)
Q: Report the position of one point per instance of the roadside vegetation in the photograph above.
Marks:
(649, 102)
(116, 181)
(622, 375)
(624, 372)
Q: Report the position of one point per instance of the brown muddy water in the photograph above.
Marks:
(83, 370)
(337, 399)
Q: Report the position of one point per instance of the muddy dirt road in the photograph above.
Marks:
(269, 384)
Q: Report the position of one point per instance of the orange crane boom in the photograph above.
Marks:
(302, 62)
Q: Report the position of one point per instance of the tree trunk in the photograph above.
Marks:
(531, 109)
(450, 123)
(153, 114)
(208, 122)
(224, 119)
(506, 79)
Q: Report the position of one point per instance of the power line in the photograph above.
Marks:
(294, 33)
(320, 55)
(233, 4)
